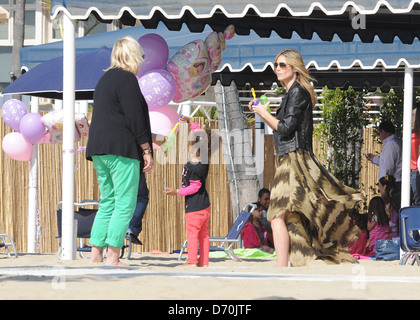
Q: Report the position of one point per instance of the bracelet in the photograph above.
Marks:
(147, 151)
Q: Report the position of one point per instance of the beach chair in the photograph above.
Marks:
(126, 246)
(409, 219)
(233, 236)
(85, 218)
(6, 241)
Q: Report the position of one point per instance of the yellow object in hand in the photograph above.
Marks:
(253, 93)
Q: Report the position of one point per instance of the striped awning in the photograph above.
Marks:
(249, 59)
(366, 18)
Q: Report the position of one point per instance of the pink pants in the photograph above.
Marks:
(197, 225)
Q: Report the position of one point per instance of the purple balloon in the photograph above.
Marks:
(158, 88)
(12, 112)
(156, 53)
(32, 128)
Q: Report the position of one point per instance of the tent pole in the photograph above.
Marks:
(69, 70)
(33, 191)
(259, 148)
(406, 145)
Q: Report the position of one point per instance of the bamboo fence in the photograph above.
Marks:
(163, 224)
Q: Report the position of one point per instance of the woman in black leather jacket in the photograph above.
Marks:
(309, 208)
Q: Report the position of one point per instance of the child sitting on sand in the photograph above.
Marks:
(378, 223)
(254, 233)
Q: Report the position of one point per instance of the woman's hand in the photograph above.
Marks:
(261, 110)
(170, 191)
(148, 162)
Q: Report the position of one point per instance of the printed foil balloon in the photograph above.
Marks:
(12, 112)
(158, 88)
(53, 121)
(191, 68)
(229, 32)
(156, 52)
(214, 50)
(222, 41)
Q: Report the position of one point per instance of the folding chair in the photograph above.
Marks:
(227, 242)
(85, 218)
(6, 243)
(125, 246)
(409, 218)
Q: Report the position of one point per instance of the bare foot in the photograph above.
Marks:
(113, 257)
(187, 265)
(117, 263)
(96, 255)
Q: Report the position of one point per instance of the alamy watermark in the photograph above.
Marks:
(58, 281)
(359, 280)
(235, 146)
(358, 20)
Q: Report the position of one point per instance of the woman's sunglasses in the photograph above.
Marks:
(281, 65)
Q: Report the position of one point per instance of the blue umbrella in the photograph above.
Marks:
(46, 79)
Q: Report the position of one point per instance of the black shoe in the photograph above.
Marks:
(133, 238)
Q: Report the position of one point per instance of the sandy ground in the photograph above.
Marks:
(158, 277)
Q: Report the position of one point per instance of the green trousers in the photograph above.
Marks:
(118, 179)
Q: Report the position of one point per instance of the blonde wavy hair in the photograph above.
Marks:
(127, 54)
(295, 60)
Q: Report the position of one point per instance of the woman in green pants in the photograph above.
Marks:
(120, 145)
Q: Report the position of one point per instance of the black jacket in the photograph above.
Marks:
(295, 127)
(120, 118)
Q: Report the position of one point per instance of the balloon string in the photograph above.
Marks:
(78, 158)
(74, 150)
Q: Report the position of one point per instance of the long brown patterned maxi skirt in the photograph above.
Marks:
(316, 207)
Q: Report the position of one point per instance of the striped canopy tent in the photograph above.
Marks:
(249, 59)
(368, 19)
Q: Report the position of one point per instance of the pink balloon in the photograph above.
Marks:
(32, 127)
(12, 112)
(158, 88)
(163, 120)
(16, 147)
(170, 112)
(156, 52)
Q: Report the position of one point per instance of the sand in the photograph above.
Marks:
(159, 277)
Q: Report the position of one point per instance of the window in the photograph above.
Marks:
(33, 20)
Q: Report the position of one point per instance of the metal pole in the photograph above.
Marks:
(69, 70)
(33, 190)
(406, 143)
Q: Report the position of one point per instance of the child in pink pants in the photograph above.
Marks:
(197, 224)
(197, 202)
